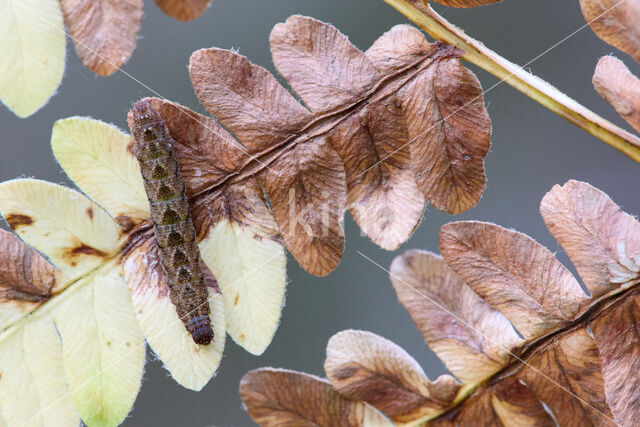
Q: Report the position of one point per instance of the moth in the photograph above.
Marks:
(173, 227)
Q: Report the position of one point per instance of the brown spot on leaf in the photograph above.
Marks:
(90, 212)
(126, 222)
(130, 147)
(87, 250)
(345, 372)
(235, 302)
(17, 220)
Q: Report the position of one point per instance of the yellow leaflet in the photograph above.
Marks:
(75, 233)
(103, 348)
(33, 388)
(94, 155)
(32, 42)
(251, 271)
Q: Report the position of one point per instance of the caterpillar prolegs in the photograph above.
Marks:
(173, 228)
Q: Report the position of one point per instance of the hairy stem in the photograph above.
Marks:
(539, 90)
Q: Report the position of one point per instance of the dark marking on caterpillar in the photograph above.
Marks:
(17, 220)
(175, 236)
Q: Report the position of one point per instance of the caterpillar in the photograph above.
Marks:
(173, 228)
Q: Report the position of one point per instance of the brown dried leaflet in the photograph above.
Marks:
(616, 22)
(577, 364)
(26, 278)
(382, 132)
(615, 83)
(183, 10)
(105, 31)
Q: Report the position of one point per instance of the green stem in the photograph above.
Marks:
(539, 90)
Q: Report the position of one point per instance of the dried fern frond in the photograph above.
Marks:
(576, 363)
(388, 128)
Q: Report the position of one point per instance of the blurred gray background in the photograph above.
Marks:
(532, 149)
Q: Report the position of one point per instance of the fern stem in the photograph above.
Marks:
(534, 87)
